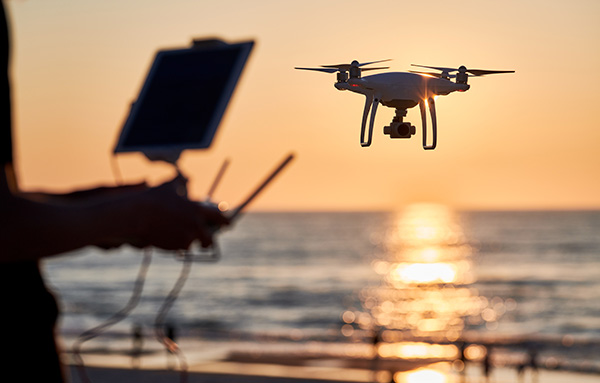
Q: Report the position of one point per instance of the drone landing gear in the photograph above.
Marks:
(398, 128)
(371, 103)
(431, 103)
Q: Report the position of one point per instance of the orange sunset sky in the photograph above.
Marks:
(527, 140)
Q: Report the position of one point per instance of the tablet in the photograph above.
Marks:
(183, 99)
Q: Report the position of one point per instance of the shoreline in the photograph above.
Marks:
(273, 373)
(251, 362)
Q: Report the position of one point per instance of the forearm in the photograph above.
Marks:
(84, 196)
(161, 216)
(33, 230)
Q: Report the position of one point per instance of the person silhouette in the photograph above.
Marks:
(487, 364)
(376, 340)
(462, 359)
(533, 364)
(520, 371)
(137, 345)
(34, 226)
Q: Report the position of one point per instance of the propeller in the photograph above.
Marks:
(319, 69)
(354, 64)
(433, 74)
(463, 69)
(345, 67)
(383, 67)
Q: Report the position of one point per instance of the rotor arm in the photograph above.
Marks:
(431, 103)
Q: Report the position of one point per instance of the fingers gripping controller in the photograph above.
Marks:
(211, 253)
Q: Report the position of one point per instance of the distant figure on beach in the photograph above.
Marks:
(487, 364)
(521, 371)
(375, 340)
(533, 365)
(38, 225)
(530, 362)
(462, 359)
(137, 345)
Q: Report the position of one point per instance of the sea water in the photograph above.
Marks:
(425, 272)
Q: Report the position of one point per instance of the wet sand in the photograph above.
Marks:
(253, 373)
(285, 369)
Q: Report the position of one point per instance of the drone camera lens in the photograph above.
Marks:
(399, 130)
(404, 130)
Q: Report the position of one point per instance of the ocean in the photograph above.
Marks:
(522, 282)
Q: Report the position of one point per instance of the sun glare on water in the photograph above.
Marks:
(425, 272)
(425, 269)
(424, 300)
(424, 376)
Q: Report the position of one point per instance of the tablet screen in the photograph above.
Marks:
(183, 99)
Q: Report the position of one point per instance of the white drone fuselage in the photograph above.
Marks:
(400, 90)
(400, 86)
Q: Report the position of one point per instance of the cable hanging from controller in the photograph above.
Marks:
(169, 344)
(114, 319)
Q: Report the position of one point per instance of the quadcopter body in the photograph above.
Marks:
(401, 91)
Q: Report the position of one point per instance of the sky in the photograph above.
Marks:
(527, 140)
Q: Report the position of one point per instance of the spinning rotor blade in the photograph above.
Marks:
(346, 67)
(438, 75)
(339, 66)
(443, 69)
(474, 72)
(374, 62)
(319, 69)
(483, 72)
(383, 67)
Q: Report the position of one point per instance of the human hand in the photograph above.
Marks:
(164, 217)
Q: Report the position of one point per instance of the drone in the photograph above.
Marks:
(402, 91)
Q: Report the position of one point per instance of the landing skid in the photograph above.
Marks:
(371, 103)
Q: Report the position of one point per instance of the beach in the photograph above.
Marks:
(279, 369)
(227, 373)
(277, 361)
